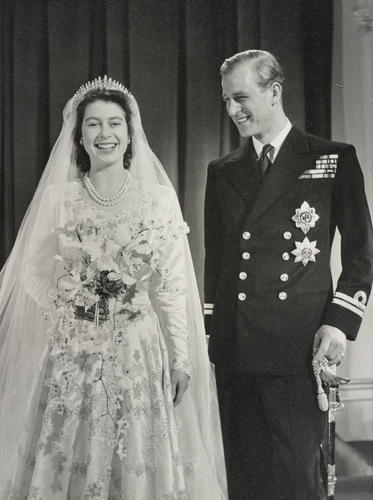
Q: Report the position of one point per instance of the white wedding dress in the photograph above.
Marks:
(101, 423)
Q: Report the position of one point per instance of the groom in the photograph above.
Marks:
(271, 210)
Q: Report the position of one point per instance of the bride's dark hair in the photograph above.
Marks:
(82, 158)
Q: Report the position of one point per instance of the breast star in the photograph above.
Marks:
(305, 251)
(305, 217)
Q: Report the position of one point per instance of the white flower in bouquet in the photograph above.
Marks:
(93, 248)
(122, 234)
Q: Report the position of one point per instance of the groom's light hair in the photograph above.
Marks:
(266, 65)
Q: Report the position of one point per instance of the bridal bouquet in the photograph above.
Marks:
(103, 262)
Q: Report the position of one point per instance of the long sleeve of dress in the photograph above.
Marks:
(40, 265)
(169, 284)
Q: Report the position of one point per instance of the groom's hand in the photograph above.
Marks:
(330, 342)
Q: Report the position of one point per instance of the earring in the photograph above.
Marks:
(129, 141)
(81, 141)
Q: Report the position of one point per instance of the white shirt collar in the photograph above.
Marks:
(276, 142)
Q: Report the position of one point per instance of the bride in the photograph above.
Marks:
(106, 390)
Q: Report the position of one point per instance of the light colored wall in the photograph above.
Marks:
(352, 122)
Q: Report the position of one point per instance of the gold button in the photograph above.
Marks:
(287, 235)
(242, 276)
(282, 295)
(285, 256)
(284, 277)
(242, 296)
(246, 235)
(246, 256)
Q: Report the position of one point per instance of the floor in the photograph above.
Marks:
(354, 488)
(354, 468)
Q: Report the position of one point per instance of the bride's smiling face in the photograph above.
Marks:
(105, 133)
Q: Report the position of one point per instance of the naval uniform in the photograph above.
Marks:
(268, 289)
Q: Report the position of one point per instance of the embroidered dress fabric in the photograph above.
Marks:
(86, 406)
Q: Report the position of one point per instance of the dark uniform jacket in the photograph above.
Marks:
(268, 284)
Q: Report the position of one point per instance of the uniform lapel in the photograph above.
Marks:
(288, 166)
(241, 172)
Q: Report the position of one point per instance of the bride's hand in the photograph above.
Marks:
(89, 314)
(179, 384)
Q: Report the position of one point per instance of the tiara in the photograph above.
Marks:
(99, 84)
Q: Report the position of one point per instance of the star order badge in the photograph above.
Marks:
(305, 251)
(305, 217)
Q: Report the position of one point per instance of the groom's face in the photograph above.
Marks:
(248, 104)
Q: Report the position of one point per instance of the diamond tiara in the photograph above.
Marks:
(98, 83)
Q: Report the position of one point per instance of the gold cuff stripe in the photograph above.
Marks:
(351, 300)
(349, 306)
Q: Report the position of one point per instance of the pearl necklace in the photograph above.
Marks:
(107, 202)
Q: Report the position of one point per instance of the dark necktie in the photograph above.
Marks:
(264, 163)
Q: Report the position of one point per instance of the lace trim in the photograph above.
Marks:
(183, 365)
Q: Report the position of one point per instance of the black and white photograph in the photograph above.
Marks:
(186, 250)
